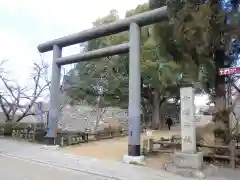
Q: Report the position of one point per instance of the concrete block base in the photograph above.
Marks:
(206, 171)
(50, 147)
(187, 160)
(190, 165)
(133, 159)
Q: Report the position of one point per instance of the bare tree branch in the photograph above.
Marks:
(14, 94)
(4, 108)
(13, 97)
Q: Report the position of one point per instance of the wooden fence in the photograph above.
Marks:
(71, 138)
(174, 144)
(65, 138)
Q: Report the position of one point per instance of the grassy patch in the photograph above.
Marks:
(136, 163)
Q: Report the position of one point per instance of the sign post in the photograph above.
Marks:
(41, 112)
(229, 71)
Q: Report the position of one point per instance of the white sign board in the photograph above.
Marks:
(188, 124)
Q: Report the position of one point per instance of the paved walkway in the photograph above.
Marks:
(32, 161)
(18, 169)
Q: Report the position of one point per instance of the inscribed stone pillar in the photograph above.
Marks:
(188, 123)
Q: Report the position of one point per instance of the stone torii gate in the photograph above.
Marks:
(133, 24)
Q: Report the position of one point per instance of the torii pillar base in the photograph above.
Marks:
(133, 159)
(49, 141)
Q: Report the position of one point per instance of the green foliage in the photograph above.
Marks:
(195, 31)
(175, 52)
(111, 74)
(158, 69)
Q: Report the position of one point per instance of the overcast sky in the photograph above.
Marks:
(26, 23)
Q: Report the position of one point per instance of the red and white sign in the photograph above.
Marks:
(229, 71)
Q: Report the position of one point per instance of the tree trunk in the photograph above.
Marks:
(145, 114)
(98, 111)
(8, 128)
(161, 118)
(221, 117)
(156, 102)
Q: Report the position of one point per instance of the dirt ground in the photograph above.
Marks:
(114, 149)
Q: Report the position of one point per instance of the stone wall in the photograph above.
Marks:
(77, 118)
